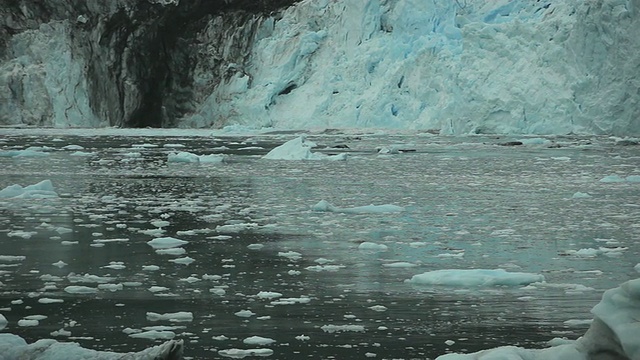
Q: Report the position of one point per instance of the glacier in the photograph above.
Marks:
(447, 67)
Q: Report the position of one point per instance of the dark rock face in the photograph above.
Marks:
(139, 56)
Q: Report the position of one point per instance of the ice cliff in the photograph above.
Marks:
(448, 66)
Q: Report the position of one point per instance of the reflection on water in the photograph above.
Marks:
(470, 204)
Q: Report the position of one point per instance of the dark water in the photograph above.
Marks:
(503, 207)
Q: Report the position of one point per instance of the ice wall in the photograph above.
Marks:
(474, 66)
(447, 66)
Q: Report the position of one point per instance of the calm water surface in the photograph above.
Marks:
(469, 204)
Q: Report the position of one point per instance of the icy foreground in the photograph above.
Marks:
(614, 333)
(472, 66)
(13, 347)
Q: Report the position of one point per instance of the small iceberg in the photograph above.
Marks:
(300, 149)
(325, 206)
(187, 157)
(14, 347)
(475, 278)
(42, 190)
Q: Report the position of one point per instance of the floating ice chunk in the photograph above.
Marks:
(154, 335)
(291, 301)
(299, 149)
(292, 255)
(150, 267)
(580, 195)
(3, 323)
(242, 353)
(400, 264)
(183, 260)
(166, 242)
(475, 278)
(591, 252)
(379, 308)
(73, 147)
(244, 313)
(190, 279)
(258, 340)
(155, 289)
(28, 323)
(371, 246)
(60, 264)
(63, 230)
(219, 338)
(329, 268)
(255, 246)
(342, 328)
(633, 178)
(88, 278)
(325, 206)
(41, 190)
(21, 234)
(637, 267)
(235, 228)
(50, 301)
(612, 179)
(302, 337)
(115, 265)
(172, 251)
(76, 289)
(15, 347)
(60, 332)
(181, 316)
(268, 295)
(187, 157)
(160, 223)
(217, 291)
(12, 258)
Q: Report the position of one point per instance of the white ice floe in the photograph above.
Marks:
(76, 289)
(591, 252)
(244, 313)
(325, 206)
(291, 255)
(181, 316)
(371, 246)
(3, 324)
(475, 278)
(291, 301)
(329, 268)
(50, 301)
(12, 258)
(400, 264)
(42, 190)
(166, 242)
(235, 228)
(15, 347)
(187, 157)
(258, 340)
(154, 335)
(299, 149)
(342, 328)
(183, 260)
(242, 353)
(613, 334)
(268, 295)
(89, 278)
(171, 251)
